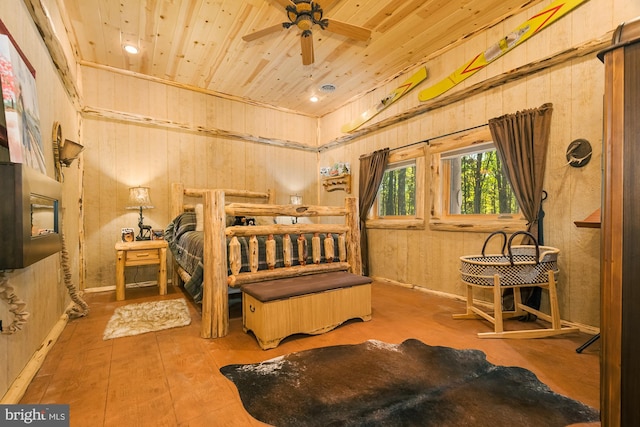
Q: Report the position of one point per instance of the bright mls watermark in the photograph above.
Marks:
(34, 415)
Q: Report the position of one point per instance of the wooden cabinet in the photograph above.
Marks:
(620, 237)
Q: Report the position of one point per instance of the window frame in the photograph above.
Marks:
(418, 154)
(439, 218)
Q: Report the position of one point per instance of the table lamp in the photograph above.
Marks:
(139, 199)
(295, 200)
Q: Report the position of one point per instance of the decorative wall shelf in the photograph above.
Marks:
(592, 221)
(339, 182)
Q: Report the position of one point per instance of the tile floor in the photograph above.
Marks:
(172, 378)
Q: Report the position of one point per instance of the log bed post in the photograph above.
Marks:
(352, 221)
(177, 207)
(177, 199)
(215, 294)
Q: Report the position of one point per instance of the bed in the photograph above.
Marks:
(237, 255)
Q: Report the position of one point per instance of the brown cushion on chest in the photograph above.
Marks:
(302, 285)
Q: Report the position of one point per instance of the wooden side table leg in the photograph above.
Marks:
(162, 272)
(120, 258)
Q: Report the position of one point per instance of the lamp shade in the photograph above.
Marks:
(295, 199)
(69, 151)
(139, 198)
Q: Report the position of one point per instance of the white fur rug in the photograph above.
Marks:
(136, 319)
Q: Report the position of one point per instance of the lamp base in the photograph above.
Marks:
(145, 233)
(145, 230)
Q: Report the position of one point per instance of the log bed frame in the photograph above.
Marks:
(216, 280)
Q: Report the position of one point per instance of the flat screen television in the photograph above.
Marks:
(30, 216)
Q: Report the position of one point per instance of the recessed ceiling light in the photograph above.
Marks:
(327, 88)
(313, 99)
(131, 49)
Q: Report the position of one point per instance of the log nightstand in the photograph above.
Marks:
(133, 254)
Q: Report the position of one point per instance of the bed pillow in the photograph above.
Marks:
(199, 217)
(230, 220)
(183, 223)
(199, 209)
(265, 220)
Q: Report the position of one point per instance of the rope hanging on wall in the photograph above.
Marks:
(80, 308)
(16, 306)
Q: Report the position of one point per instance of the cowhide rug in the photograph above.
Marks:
(408, 384)
(135, 319)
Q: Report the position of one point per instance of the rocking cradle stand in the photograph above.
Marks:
(500, 272)
(499, 314)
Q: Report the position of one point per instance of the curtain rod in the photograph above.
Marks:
(430, 139)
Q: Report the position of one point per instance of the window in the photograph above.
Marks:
(469, 189)
(400, 201)
(397, 193)
(477, 184)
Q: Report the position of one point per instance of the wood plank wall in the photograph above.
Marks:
(430, 259)
(139, 132)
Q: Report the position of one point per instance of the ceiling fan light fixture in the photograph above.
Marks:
(305, 14)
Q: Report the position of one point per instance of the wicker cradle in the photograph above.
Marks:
(523, 266)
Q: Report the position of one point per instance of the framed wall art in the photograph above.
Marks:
(20, 105)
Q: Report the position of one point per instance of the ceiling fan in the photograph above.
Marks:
(304, 14)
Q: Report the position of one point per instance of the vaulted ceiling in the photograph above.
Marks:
(199, 44)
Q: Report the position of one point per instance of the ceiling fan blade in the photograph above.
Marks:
(327, 5)
(260, 33)
(306, 43)
(283, 3)
(348, 30)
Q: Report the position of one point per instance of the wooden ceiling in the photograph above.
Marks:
(198, 43)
